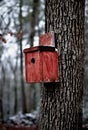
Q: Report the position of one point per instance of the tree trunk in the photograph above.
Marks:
(21, 62)
(2, 84)
(34, 19)
(33, 22)
(61, 103)
(15, 95)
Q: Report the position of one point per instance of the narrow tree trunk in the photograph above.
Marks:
(21, 62)
(61, 103)
(15, 88)
(34, 19)
(2, 84)
(33, 22)
(1, 100)
(15, 95)
(8, 98)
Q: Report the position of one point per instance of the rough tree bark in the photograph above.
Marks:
(61, 103)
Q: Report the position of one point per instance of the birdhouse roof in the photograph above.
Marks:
(39, 48)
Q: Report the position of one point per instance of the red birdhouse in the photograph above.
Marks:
(41, 64)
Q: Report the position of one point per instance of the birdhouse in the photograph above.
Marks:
(41, 63)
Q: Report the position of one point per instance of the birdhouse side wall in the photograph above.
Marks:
(50, 66)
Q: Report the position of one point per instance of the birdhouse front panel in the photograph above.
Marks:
(32, 66)
(41, 64)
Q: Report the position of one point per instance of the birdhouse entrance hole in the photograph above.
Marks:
(32, 60)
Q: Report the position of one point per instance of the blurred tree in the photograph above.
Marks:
(33, 24)
(34, 20)
(2, 81)
(13, 68)
(21, 58)
(61, 103)
(85, 96)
